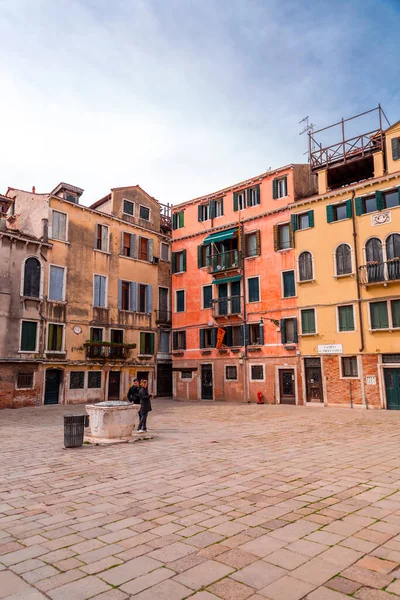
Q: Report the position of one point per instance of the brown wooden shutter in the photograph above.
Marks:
(244, 248)
(291, 234)
(276, 238)
(258, 242)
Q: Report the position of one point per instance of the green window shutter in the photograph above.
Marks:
(396, 148)
(142, 343)
(175, 340)
(275, 189)
(202, 338)
(199, 212)
(396, 313)
(330, 213)
(293, 220)
(212, 209)
(184, 340)
(349, 209)
(288, 284)
(379, 315)
(174, 220)
(311, 218)
(346, 318)
(379, 200)
(200, 255)
(181, 218)
(283, 330)
(258, 195)
(151, 343)
(184, 259)
(174, 262)
(235, 202)
(295, 332)
(308, 321)
(359, 207)
(28, 336)
(291, 236)
(214, 334)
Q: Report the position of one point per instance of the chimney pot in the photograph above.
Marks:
(33, 189)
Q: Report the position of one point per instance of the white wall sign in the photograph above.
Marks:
(371, 379)
(381, 218)
(330, 348)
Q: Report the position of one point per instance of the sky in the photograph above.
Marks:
(182, 97)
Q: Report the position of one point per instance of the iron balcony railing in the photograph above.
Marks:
(224, 261)
(379, 272)
(224, 307)
(163, 316)
(107, 350)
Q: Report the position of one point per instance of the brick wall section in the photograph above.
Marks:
(338, 390)
(370, 365)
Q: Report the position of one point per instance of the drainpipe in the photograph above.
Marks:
(246, 391)
(360, 315)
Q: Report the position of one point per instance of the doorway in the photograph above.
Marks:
(163, 304)
(206, 382)
(52, 386)
(314, 390)
(392, 386)
(164, 380)
(287, 394)
(114, 381)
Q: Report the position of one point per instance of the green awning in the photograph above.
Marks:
(227, 279)
(227, 234)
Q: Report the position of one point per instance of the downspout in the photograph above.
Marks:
(245, 356)
(360, 315)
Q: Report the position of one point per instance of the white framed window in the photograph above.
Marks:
(204, 212)
(282, 187)
(384, 314)
(345, 318)
(25, 380)
(308, 321)
(253, 289)
(305, 266)
(59, 226)
(164, 251)
(257, 372)
(128, 207)
(241, 198)
(219, 208)
(231, 373)
(348, 367)
(55, 338)
(102, 238)
(186, 375)
(144, 212)
(29, 336)
(180, 300)
(57, 279)
(100, 289)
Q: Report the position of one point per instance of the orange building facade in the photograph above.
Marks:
(233, 267)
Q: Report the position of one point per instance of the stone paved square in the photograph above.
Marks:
(227, 501)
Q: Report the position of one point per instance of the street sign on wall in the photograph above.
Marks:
(330, 348)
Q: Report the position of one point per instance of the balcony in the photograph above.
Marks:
(227, 307)
(164, 316)
(108, 350)
(379, 272)
(224, 261)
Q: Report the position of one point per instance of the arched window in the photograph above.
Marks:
(305, 266)
(373, 250)
(393, 246)
(32, 278)
(343, 260)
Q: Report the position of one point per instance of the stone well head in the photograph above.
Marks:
(112, 419)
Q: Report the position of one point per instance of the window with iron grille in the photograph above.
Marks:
(24, 381)
(77, 380)
(231, 373)
(94, 379)
(349, 366)
(257, 372)
(186, 374)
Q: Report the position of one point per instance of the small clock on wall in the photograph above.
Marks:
(77, 329)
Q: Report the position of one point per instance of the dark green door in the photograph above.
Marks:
(392, 385)
(52, 387)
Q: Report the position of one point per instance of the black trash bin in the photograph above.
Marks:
(74, 428)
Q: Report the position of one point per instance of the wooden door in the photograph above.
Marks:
(52, 386)
(114, 380)
(287, 392)
(314, 380)
(392, 386)
(206, 382)
(164, 379)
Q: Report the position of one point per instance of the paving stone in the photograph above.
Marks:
(101, 565)
(371, 594)
(345, 586)
(204, 539)
(79, 590)
(263, 545)
(338, 555)
(172, 552)
(130, 570)
(236, 558)
(11, 584)
(167, 590)
(316, 571)
(147, 581)
(185, 563)
(203, 575)
(228, 589)
(111, 595)
(286, 559)
(324, 593)
(367, 577)
(21, 555)
(41, 573)
(376, 564)
(287, 588)
(259, 574)
(203, 596)
(394, 588)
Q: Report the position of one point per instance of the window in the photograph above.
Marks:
(338, 212)
(100, 291)
(306, 267)
(256, 372)
(289, 288)
(180, 301)
(128, 207)
(55, 335)
(349, 366)
(391, 199)
(77, 380)
(164, 251)
(303, 220)
(59, 226)
(219, 207)
(96, 334)
(253, 244)
(204, 214)
(288, 329)
(379, 201)
(207, 296)
(94, 379)
(204, 255)
(56, 283)
(253, 287)
(179, 261)
(32, 272)
(282, 237)
(346, 318)
(117, 336)
(28, 336)
(179, 340)
(146, 343)
(369, 204)
(144, 213)
(71, 198)
(373, 250)
(308, 321)
(234, 336)
(101, 242)
(343, 260)
(145, 301)
(146, 249)
(128, 244)
(254, 334)
(279, 188)
(379, 315)
(126, 295)
(393, 247)
(253, 196)
(208, 337)
(395, 309)
(231, 373)
(186, 374)
(239, 200)
(24, 381)
(178, 220)
(164, 342)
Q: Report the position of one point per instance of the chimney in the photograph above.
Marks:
(45, 223)
(33, 190)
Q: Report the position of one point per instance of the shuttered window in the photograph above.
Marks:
(180, 301)
(349, 366)
(283, 237)
(145, 298)
(59, 226)
(306, 267)
(288, 329)
(289, 288)
(28, 336)
(308, 321)
(343, 260)
(179, 340)
(253, 284)
(144, 213)
(32, 278)
(346, 318)
(56, 283)
(253, 196)
(379, 315)
(396, 148)
(99, 291)
(179, 261)
(146, 343)
(253, 244)
(128, 244)
(55, 338)
(339, 212)
(207, 296)
(279, 188)
(395, 306)
(178, 220)
(101, 240)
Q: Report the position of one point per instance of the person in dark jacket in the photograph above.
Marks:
(133, 392)
(145, 406)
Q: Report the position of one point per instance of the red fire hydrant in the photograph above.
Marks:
(260, 398)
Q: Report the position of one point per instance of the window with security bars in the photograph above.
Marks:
(77, 380)
(349, 366)
(257, 372)
(231, 373)
(94, 379)
(24, 381)
(186, 374)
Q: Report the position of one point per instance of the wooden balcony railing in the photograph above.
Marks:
(225, 307)
(379, 272)
(108, 350)
(224, 261)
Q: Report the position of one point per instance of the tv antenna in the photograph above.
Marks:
(308, 128)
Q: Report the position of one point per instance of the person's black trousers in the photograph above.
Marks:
(143, 420)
